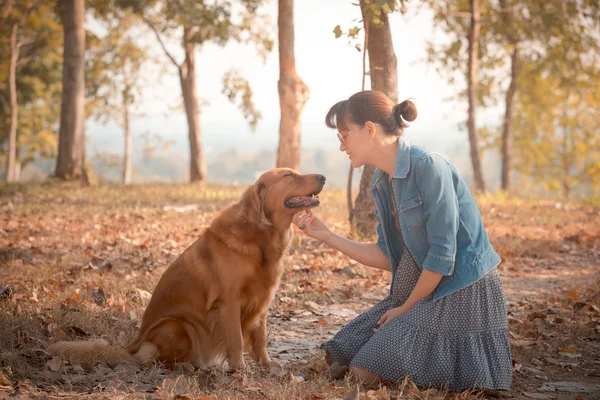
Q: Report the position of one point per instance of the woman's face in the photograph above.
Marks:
(353, 142)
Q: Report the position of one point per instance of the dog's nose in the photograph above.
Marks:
(321, 178)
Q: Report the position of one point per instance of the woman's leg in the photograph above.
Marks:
(366, 377)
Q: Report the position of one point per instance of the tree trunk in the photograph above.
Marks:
(11, 172)
(384, 77)
(127, 167)
(187, 77)
(293, 93)
(567, 149)
(507, 134)
(71, 140)
(472, 93)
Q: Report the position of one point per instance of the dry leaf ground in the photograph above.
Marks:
(80, 262)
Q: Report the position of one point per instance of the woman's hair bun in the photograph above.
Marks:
(405, 112)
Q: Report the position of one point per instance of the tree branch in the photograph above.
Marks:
(23, 60)
(191, 32)
(25, 42)
(454, 14)
(160, 41)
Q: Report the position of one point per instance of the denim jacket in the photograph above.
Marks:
(439, 219)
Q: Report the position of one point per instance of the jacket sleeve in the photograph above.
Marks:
(440, 207)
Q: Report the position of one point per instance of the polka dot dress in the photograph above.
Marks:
(460, 341)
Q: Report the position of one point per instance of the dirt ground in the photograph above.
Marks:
(80, 262)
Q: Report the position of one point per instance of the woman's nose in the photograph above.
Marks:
(342, 146)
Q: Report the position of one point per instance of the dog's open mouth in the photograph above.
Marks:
(312, 200)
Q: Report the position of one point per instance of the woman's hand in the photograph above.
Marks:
(311, 225)
(390, 315)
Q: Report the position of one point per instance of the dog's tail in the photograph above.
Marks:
(90, 352)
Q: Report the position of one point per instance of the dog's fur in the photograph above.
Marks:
(213, 299)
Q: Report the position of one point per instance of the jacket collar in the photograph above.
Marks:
(402, 159)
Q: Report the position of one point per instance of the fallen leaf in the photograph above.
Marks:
(582, 306)
(5, 380)
(313, 305)
(55, 330)
(144, 295)
(538, 396)
(568, 350)
(569, 387)
(381, 395)
(354, 394)
(55, 364)
(522, 342)
(34, 297)
(570, 355)
(53, 375)
(277, 371)
(75, 330)
(334, 389)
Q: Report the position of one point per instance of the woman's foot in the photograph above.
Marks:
(336, 371)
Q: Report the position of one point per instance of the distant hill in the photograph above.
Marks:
(224, 167)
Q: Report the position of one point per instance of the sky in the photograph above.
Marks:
(330, 67)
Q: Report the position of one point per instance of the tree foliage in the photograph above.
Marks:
(557, 46)
(38, 80)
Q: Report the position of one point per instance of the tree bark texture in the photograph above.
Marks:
(11, 162)
(384, 77)
(187, 78)
(293, 93)
(507, 129)
(472, 94)
(507, 132)
(127, 163)
(71, 139)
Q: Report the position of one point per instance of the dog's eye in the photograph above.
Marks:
(290, 174)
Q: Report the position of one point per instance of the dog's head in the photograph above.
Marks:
(279, 193)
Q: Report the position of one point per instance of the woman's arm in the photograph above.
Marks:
(426, 284)
(369, 254)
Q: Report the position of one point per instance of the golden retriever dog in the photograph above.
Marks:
(212, 302)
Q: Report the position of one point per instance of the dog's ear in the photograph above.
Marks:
(253, 205)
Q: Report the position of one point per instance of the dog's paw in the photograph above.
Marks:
(237, 364)
(266, 361)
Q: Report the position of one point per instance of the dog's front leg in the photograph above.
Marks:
(232, 330)
(258, 338)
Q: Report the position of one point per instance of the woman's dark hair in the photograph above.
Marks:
(374, 106)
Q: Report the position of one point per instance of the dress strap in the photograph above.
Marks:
(395, 215)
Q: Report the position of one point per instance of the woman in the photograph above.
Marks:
(444, 323)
